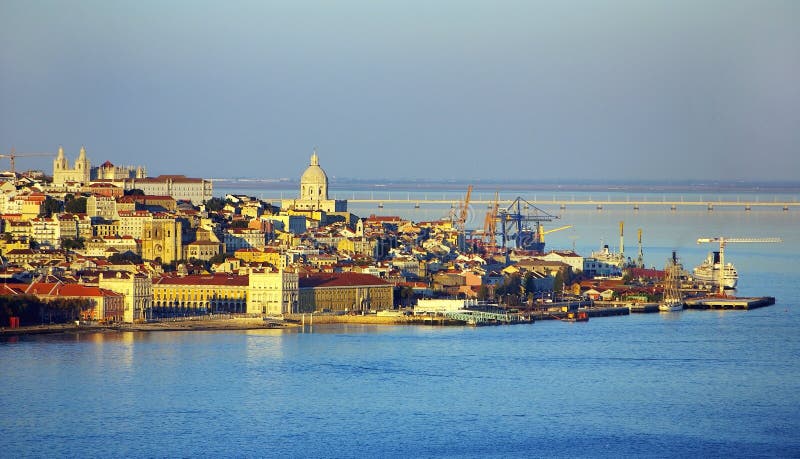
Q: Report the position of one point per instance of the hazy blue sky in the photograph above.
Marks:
(453, 89)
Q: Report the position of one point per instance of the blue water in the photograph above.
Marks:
(694, 383)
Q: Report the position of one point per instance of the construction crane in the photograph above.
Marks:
(731, 240)
(13, 155)
(512, 224)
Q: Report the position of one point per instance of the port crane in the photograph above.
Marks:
(512, 224)
(13, 155)
(490, 224)
(733, 240)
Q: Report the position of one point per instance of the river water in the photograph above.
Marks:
(693, 383)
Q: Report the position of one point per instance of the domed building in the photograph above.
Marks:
(314, 191)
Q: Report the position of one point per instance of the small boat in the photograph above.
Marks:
(670, 305)
(581, 316)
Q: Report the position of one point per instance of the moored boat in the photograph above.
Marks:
(672, 299)
(709, 272)
(581, 316)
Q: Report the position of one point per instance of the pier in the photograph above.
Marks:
(730, 303)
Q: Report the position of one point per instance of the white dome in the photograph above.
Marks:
(314, 175)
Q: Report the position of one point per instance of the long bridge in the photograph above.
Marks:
(673, 204)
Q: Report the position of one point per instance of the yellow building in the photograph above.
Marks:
(272, 293)
(62, 173)
(161, 239)
(194, 295)
(344, 292)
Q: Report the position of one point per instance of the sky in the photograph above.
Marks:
(453, 89)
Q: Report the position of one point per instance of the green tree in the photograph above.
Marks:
(76, 206)
(558, 282)
(51, 206)
(125, 257)
(134, 192)
(215, 204)
(483, 292)
(72, 244)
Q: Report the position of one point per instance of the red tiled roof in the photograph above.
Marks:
(340, 280)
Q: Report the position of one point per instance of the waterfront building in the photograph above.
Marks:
(344, 292)
(137, 289)
(80, 173)
(199, 294)
(103, 305)
(272, 293)
(314, 191)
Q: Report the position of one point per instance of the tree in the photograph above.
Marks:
(76, 206)
(134, 192)
(51, 206)
(72, 244)
(128, 256)
(558, 282)
(215, 204)
(239, 224)
(483, 292)
(218, 258)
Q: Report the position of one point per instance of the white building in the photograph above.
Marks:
(47, 232)
(272, 293)
(567, 257)
(137, 290)
(425, 306)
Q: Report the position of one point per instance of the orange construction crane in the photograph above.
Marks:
(13, 155)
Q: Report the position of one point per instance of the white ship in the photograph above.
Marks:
(709, 272)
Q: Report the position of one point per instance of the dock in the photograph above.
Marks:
(730, 303)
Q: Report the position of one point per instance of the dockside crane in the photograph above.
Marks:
(512, 224)
(490, 225)
(731, 240)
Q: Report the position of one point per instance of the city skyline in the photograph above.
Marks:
(453, 90)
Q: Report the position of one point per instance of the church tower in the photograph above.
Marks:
(82, 167)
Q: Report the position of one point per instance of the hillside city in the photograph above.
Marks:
(110, 244)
